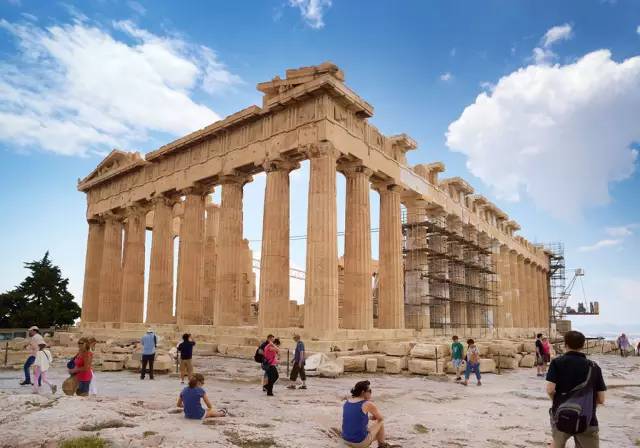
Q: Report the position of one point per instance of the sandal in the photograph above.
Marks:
(224, 411)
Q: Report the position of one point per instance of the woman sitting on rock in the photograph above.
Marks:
(356, 431)
(189, 399)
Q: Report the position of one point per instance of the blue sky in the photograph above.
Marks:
(535, 104)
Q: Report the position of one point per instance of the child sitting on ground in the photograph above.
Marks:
(189, 399)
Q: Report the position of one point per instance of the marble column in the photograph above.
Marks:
(514, 271)
(524, 292)
(229, 282)
(535, 296)
(321, 284)
(358, 298)
(544, 304)
(132, 307)
(111, 270)
(417, 289)
(93, 262)
(160, 291)
(505, 287)
(391, 301)
(190, 308)
(210, 262)
(273, 311)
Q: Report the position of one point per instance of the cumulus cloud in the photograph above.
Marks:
(76, 88)
(446, 77)
(312, 11)
(562, 32)
(600, 245)
(559, 133)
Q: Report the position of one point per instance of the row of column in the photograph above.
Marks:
(210, 284)
(523, 292)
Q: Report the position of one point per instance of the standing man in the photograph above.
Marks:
(539, 355)
(457, 350)
(34, 345)
(298, 365)
(565, 373)
(623, 344)
(185, 348)
(149, 344)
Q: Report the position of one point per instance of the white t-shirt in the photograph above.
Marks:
(43, 359)
(34, 343)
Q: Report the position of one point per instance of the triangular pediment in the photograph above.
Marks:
(117, 162)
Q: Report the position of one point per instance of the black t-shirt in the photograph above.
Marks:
(186, 349)
(569, 370)
(539, 347)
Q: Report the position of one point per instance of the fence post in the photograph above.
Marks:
(499, 362)
(437, 360)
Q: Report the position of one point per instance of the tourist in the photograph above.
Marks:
(356, 431)
(190, 397)
(473, 362)
(259, 357)
(271, 359)
(83, 364)
(40, 368)
(298, 365)
(623, 344)
(546, 346)
(565, 373)
(34, 345)
(539, 355)
(93, 387)
(638, 349)
(149, 344)
(457, 350)
(185, 348)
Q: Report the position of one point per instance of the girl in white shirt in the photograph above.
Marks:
(40, 368)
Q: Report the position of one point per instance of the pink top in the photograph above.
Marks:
(270, 355)
(87, 374)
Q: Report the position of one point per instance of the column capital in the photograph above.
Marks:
(354, 168)
(97, 219)
(270, 165)
(137, 208)
(235, 178)
(110, 216)
(197, 189)
(168, 200)
(321, 149)
(386, 186)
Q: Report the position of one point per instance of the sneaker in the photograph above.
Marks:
(459, 378)
(302, 387)
(54, 389)
(291, 386)
(270, 394)
(25, 383)
(464, 383)
(264, 388)
(479, 383)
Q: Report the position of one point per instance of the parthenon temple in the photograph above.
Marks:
(449, 259)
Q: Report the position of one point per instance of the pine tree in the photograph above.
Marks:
(42, 299)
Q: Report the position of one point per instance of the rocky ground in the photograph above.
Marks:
(509, 410)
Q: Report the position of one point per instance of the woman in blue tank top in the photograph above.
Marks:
(356, 431)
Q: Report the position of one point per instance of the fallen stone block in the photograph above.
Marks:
(353, 363)
(114, 357)
(503, 349)
(506, 362)
(331, 368)
(112, 366)
(425, 366)
(430, 351)
(528, 361)
(529, 347)
(398, 348)
(393, 365)
(206, 348)
(371, 365)
(487, 365)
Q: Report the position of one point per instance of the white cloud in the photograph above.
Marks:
(312, 11)
(599, 245)
(621, 231)
(560, 133)
(446, 77)
(137, 7)
(75, 88)
(638, 29)
(562, 32)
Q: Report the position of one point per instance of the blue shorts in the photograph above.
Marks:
(83, 387)
(197, 415)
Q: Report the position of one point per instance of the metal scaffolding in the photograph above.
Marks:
(450, 276)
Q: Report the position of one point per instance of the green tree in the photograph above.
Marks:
(42, 299)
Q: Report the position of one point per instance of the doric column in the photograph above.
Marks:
(189, 310)
(274, 263)
(358, 298)
(160, 292)
(417, 310)
(544, 292)
(514, 270)
(535, 297)
(391, 301)
(321, 284)
(132, 307)
(111, 270)
(505, 287)
(229, 286)
(208, 289)
(524, 292)
(93, 262)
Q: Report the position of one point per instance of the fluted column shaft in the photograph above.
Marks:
(544, 323)
(93, 262)
(391, 301)
(274, 262)
(229, 287)
(189, 311)
(208, 289)
(514, 260)
(160, 292)
(358, 299)
(321, 283)
(505, 288)
(524, 293)
(132, 307)
(535, 297)
(111, 271)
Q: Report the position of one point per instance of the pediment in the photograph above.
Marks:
(117, 162)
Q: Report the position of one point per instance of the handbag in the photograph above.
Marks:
(70, 385)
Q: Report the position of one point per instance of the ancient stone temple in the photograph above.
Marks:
(449, 260)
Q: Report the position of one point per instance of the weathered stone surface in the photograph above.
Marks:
(528, 360)
(393, 365)
(425, 366)
(430, 351)
(504, 349)
(398, 348)
(371, 365)
(112, 366)
(354, 363)
(487, 365)
(331, 368)
(506, 362)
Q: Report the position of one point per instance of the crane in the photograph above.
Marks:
(561, 309)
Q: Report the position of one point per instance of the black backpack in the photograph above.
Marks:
(259, 356)
(574, 415)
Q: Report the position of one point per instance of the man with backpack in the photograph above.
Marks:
(576, 386)
(259, 358)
